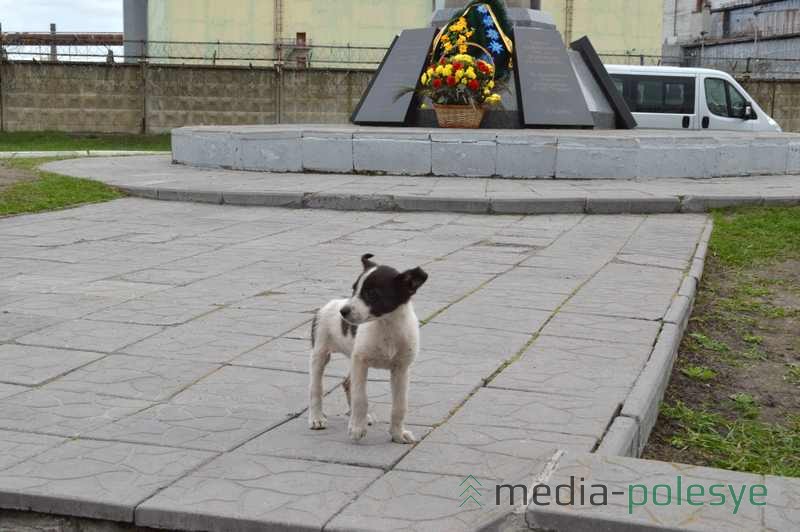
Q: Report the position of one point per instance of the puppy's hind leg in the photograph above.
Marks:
(316, 418)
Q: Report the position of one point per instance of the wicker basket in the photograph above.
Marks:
(459, 116)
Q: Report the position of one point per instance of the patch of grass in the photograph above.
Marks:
(56, 141)
(753, 339)
(747, 236)
(699, 373)
(740, 445)
(706, 342)
(746, 405)
(793, 375)
(50, 191)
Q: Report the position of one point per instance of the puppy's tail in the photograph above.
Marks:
(314, 329)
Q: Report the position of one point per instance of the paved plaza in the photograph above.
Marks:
(154, 359)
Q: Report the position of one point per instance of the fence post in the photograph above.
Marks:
(53, 45)
(278, 93)
(143, 74)
(2, 71)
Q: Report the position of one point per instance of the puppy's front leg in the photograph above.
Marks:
(400, 407)
(316, 418)
(358, 391)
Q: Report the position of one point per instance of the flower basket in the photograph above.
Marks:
(459, 116)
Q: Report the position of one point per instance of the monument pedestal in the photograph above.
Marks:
(551, 87)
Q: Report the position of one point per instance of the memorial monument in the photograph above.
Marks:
(549, 86)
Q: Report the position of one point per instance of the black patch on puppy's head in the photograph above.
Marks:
(385, 289)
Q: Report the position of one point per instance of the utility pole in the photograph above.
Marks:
(569, 18)
(53, 46)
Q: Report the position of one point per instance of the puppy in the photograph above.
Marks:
(375, 328)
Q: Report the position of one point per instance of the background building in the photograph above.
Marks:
(616, 27)
(756, 38)
(318, 32)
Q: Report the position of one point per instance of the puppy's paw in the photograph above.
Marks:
(403, 436)
(356, 431)
(317, 421)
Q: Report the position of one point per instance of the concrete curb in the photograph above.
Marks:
(628, 433)
(78, 153)
(525, 154)
(477, 205)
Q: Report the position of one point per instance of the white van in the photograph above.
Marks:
(688, 98)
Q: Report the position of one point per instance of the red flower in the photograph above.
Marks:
(451, 80)
(483, 67)
(474, 85)
(442, 61)
(437, 83)
(457, 66)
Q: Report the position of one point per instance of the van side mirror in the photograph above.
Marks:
(749, 112)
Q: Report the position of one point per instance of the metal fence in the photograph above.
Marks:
(296, 54)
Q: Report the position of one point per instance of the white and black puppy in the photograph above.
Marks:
(375, 328)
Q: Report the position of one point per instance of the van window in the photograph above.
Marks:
(723, 99)
(656, 94)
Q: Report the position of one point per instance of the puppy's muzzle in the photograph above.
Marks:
(346, 311)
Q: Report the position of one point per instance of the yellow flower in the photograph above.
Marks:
(454, 27)
(471, 73)
(486, 92)
(464, 81)
(494, 99)
(445, 37)
(448, 47)
(430, 72)
(490, 84)
(463, 48)
(448, 70)
(439, 70)
(424, 79)
(462, 39)
(459, 75)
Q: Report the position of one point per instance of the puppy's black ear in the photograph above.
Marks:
(365, 260)
(411, 280)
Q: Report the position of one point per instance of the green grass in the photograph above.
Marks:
(793, 374)
(699, 373)
(50, 191)
(740, 445)
(706, 342)
(56, 141)
(748, 236)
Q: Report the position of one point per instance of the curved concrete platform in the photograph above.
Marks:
(156, 178)
(522, 154)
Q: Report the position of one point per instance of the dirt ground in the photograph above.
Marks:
(746, 328)
(9, 176)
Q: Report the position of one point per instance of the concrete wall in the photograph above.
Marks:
(779, 98)
(133, 99)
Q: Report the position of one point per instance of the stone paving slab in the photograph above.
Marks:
(103, 480)
(294, 440)
(62, 413)
(241, 492)
(548, 412)
(31, 366)
(498, 454)
(156, 177)
(16, 447)
(203, 427)
(90, 335)
(418, 502)
(135, 377)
